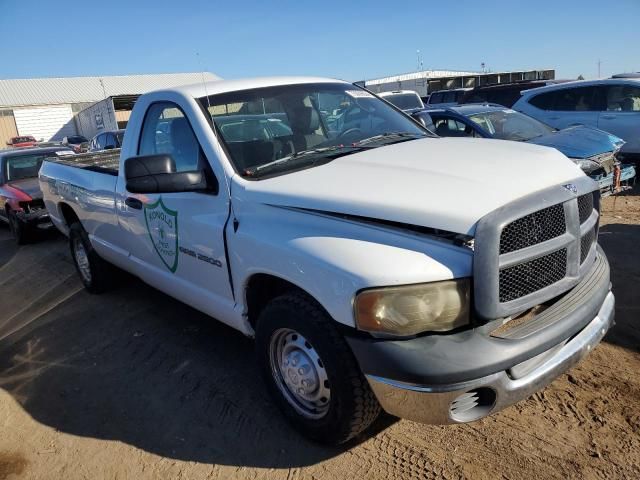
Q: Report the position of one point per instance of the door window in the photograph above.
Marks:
(100, 141)
(167, 130)
(581, 99)
(623, 98)
(110, 141)
(449, 127)
(543, 101)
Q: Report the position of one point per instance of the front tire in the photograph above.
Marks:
(18, 229)
(96, 274)
(311, 372)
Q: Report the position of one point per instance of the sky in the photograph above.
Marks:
(344, 39)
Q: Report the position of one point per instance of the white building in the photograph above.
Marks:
(47, 108)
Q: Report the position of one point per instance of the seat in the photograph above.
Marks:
(304, 121)
(442, 130)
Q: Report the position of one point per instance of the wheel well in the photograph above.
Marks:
(263, 288)
(68, 214)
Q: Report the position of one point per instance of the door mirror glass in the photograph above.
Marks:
(157, 174)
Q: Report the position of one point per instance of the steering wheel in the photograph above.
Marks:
(349, 131)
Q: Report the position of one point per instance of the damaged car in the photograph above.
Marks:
(593, 150)
(21, 204)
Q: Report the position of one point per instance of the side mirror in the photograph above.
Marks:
(157, 174)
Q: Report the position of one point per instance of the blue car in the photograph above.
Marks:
(592, 149)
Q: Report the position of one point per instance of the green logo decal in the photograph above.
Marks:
(162, 225)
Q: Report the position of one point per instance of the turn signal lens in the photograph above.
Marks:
(412, 309)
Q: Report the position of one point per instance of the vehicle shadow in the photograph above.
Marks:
(620, 242)
(136, 366)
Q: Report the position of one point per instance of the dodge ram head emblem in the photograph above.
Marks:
(571, 187)
(162, 225)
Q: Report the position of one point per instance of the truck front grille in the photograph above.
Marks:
(585, 206)
(586, 243)
(526, 255)
(532, 229)
(526, 278)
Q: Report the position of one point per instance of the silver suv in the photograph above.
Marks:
(612, 105)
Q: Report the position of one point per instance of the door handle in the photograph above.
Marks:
(133, 203)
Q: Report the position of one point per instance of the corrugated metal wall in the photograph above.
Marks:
(48, 123)
(7, 127)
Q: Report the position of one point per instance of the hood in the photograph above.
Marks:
(580, 141)
(442, 183)
(29, 186)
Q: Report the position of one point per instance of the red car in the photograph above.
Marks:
(21, 204)
(23, 141)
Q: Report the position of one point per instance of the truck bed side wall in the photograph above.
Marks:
(91, 197)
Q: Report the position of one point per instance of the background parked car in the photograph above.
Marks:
(612, 105)
(592, 149)
(21, 204)
(406, 100)
(77, 143)
(22, 141)
(447, 97)
(505, 94)
(106, 141)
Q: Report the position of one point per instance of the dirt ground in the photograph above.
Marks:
(133, 384)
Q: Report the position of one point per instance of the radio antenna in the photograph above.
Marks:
(204, 85)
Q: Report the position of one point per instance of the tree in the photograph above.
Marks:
(580, 77)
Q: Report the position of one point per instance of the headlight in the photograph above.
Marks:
(586, 165)
(407, 310)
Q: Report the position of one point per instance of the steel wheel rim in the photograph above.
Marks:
(299, 373)
(82, 259)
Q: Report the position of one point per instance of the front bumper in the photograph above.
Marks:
(38, 219)
(464, 377)
(472, 400)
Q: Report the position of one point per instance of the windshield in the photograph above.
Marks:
(285, 128)
(404, 101)
(510, 125)
(18, 167)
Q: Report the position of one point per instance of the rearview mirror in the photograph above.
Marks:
(157, 174)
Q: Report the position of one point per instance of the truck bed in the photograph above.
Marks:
(107, 161)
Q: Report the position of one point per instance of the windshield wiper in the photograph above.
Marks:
(333, 151)
(393, 136)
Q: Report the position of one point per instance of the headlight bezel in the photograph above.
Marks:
(443, 322)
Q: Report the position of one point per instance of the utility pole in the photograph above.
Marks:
(419, 63)
(599, 64)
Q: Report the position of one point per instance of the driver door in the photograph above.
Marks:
(176, 239)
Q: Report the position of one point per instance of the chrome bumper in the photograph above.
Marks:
(474, 399)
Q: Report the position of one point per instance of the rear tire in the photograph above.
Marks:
(18, 229)
(298, 342)
(97, 275)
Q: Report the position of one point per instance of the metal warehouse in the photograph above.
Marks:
(52, 108)
(427, 81)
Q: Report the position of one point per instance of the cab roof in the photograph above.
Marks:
(199, 90)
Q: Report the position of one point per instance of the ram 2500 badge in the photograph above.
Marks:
(377, 266)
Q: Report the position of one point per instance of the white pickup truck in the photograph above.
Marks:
(376, 265)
